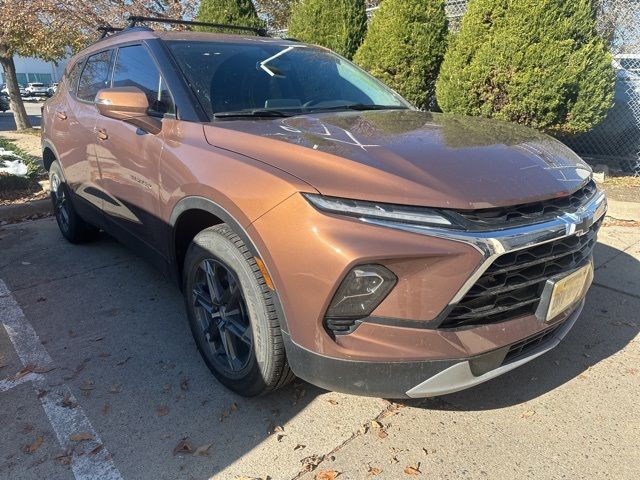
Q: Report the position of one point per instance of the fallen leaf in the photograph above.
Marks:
(332, 401)
(203, 450)
(184, 446)
(327, 475)
(26, 370)
(115, 388)
(311, 462)
(413, 470)
(106, 409)
(374, 471)
(299, 447)
(184, 383)
(394, 460)
(67, 402)
(81, 437)
(96, 450)
(43, 369)
(375, 424)
(27, 428)
(63, 458)
(234, 407)
(382, 433)
(72, 334)
(33, 446)
(87, 385)
(363, 429)
(162, 410)
(528, 413)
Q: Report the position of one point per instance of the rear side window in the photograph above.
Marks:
(72, 76)
(134, 67)
(95, 75)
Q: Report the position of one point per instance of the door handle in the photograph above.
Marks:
(62, 115)
(102, 134)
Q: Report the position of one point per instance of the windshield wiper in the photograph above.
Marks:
(258, 112)
(361, 107)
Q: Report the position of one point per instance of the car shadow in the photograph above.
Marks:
(608, 322)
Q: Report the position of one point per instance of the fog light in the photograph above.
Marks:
(362, 290)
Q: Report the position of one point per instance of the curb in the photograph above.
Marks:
(36, 207)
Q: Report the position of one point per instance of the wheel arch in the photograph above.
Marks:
(193, 214)
(49, 154)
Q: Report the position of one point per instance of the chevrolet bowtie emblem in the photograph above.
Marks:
(577, 225)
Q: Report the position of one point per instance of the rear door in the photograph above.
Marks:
(129, 157)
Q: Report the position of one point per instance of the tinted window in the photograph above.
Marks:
(135, 68)
(95, 75)
(230, 77)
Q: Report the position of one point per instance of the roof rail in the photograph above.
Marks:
(135, 20)
(107, 29)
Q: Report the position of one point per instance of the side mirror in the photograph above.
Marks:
(128, 104)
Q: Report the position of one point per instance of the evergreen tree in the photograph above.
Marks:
(536, 62)
(405, 46)
(229, 12)
(336, 24)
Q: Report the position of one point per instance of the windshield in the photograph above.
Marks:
(289, 79)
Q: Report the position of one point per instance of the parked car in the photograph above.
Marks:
(36, 90)
(318, 224)
(4, 103)
(51, 89)
(5, 90)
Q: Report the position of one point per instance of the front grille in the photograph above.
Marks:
(525, 346)
(513, 283)
(529, 213)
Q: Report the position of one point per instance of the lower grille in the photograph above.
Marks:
(525, 346)
(513, 283)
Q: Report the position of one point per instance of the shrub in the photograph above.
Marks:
(230, 12)
(536, 62)
(405, 46)
(336, 24)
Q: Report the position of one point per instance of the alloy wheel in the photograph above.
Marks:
(60, 203)
(222, 316)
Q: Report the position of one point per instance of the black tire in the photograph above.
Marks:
(72, 226)
(258, 367)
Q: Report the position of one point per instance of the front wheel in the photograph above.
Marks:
(232, 315)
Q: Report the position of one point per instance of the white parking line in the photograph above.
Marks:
(65, 421)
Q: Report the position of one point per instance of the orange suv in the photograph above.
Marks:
(318, 224)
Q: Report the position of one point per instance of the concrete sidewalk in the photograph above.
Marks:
(122, 358)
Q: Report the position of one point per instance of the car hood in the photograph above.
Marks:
(409, 157)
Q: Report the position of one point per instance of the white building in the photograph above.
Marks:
(35, 70)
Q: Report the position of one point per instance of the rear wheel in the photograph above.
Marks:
(71, 225)
(232, 315)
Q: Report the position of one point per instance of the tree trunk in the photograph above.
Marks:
(17, 106)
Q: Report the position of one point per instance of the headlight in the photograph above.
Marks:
(386, 211)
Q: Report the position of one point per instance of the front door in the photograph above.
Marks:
(129, 157)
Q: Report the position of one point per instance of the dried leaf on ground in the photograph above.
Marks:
(87, 385)
(63, 458)
(382, 433)
(96, 450)
(43, 369)
(327, 475)
(67, 402)
(184, 383)
(124, 360)
(184, 446)
(26, 370)
(332, 401)
(106, 408)
(81, 437)
(202, 450)
(115, 388)
(413, 470)
(33, 446)
(162, 410)
(311, 462)
(299, 447)
(374, 471)
(234, 407)
(375, 424)
(528, 413)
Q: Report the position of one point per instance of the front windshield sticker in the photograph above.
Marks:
(264, 63)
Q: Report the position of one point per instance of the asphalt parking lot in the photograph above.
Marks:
(7, 123)
(114, 388)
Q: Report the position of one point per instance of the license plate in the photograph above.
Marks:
(568, 290)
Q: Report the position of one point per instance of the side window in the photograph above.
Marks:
(135, 68)
(95, 75)
(72, 76)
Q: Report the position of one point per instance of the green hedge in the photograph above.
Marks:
(536, 62)
(336, 24)
(230, 12)
(405, 46)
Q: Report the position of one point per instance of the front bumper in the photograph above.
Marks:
(419, 379)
